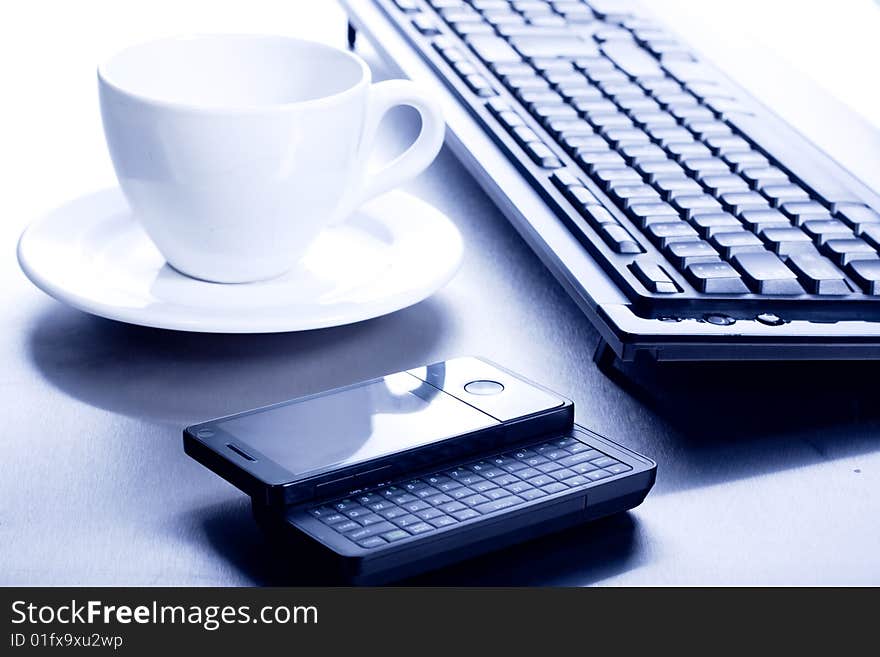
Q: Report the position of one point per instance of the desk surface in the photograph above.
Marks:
(768, 473)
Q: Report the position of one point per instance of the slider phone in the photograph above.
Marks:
(462, 509)
(375, 430)
(404, 473)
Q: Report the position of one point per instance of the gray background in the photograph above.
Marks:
(768, 473)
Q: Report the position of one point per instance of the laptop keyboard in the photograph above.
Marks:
(676, 184)
(390, 513)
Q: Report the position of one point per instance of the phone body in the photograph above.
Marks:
(460, 509)
(335, 441)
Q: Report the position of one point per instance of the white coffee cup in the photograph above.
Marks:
(235, 151)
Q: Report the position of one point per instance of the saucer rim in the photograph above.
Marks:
(232, 324)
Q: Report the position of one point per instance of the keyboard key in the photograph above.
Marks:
(685, 254)
(758, 220)
(492, 49)
(519, 486)
(653, 277)
(475, 499)
(779, 194)
(871, 234)
(372, 530)
(465, 514)
(346, 526)
(716, 278)
(803, 211)
(595, 475)
(498, 505)
(577, 480)
(549, 46)
(603, 461)
(663, 234)
(532, 494)
(419, 528)
(760, 177)
(816, 274)
(867, 274)
(765, 273)
(829, 229)
(845, 251)
(737, 241)
(618, 239)
(542, 155)
(395, 535)
(784, 241)
(333, 518)
(427, 514)
(449, 507)
(555, 487)
(708, 224)
(856, 214)
(618, 468)
(442, 521)
(689, 205)
(740, 202)
(394, 512)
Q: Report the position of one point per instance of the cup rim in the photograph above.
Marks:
(105, 79)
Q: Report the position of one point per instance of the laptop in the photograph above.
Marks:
(686, 218)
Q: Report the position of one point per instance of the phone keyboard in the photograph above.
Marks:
(389, 513)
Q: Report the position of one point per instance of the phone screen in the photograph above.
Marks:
(355, 424)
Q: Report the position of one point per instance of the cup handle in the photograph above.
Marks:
(420, 154)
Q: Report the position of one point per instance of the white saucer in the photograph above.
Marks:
(91, 254)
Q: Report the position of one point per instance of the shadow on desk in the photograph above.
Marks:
(178, 377)
(574, 557)
(717, 422)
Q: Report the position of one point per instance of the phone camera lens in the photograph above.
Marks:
(483, 387)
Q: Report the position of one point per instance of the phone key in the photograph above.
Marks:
(346, 526)
(427, 514)
(523, 454)
(471, 479)
(491, 473)
(546, 447)
(357, 512)
(497, 505)
(458, 473)
(372, 541)
(574, 459)
(532, 494)
(541, 480)
(514, 466)
(372, 530)
(519, 487)
(403, 499)
(603, 461)
(577, 448)
(618, 468)
(414, 485)
(555, 487)
(393, 512)
(427, 492)
(332, 519)
(465, 514)
(447, 486)
(479, 466)
(528, 473)
(407, 520)
(505, 480)
(475, 499)
(395, 535)
(345, 505)
(436, 480)
(439, 499)
(381, 506)
(420, 528)
(482, 486)
(563, 473)
(584, 468)
(459, 493)
(547, 468)
(443, 521)
(450, 507)
(369, 498)
(501, 461)
(598, 474)
(567, 442)
(497, 493)
(577, 480)
(371, 519)
(412, 507)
